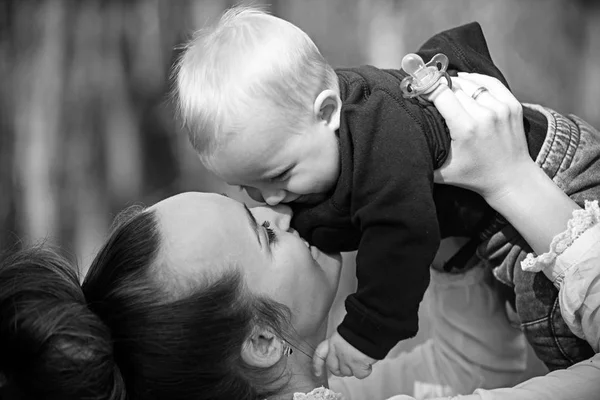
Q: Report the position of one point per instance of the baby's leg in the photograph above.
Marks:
(460, 212)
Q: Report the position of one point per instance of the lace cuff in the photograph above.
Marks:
(319, 394)
(582, 221)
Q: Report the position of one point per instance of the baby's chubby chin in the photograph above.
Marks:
(313, 198)
(309, 198)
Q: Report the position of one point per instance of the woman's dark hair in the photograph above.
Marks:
(173, 339)
(52, 346)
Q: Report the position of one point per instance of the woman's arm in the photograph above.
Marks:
(579, 382)
(535, 207)
(489, 156)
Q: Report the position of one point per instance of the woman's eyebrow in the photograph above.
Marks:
(253, 222)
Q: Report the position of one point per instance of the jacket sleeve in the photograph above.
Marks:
(392, 204)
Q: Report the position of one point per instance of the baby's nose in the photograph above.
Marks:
(273, 198)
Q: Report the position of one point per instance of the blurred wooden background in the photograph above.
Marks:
(85, 128)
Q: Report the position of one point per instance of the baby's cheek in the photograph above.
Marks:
(309, 185)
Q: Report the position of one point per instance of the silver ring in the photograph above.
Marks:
(477, 92)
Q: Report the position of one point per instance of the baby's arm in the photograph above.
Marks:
(392, 204)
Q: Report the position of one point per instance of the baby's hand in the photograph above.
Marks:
(342, 358)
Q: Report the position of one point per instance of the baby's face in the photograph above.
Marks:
(281, 167)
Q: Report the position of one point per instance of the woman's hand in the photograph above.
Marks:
(489, 150)
(489, 155)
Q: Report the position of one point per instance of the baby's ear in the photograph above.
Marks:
(262, 349)
(327, 108)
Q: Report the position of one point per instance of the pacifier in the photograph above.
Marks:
(423, 78)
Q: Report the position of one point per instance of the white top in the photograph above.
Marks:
(473, 346)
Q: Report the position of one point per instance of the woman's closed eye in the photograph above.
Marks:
(271, 235)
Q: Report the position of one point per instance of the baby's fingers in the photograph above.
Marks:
(344, 369)
(319, 357)
(362, 371)
(333, 364)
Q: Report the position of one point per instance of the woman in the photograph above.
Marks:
(201, 299)
(164, 290)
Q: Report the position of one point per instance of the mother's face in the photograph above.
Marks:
(204, 234)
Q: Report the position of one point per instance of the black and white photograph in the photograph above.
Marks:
(299, 200)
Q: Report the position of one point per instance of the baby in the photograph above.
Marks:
(350, 155)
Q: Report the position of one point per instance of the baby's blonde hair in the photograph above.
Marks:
(250, 63)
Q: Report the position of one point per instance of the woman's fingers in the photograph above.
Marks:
(471, 105)
(495, 87)
(506, 109)
(485, 98)
(488, 145)
(495, 110)
(485, 80)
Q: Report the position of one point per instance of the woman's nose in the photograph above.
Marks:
(282, 216)
(279, 216)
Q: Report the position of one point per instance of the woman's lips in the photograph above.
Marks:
(314, 252)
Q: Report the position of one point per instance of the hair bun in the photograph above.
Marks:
(52, 346)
